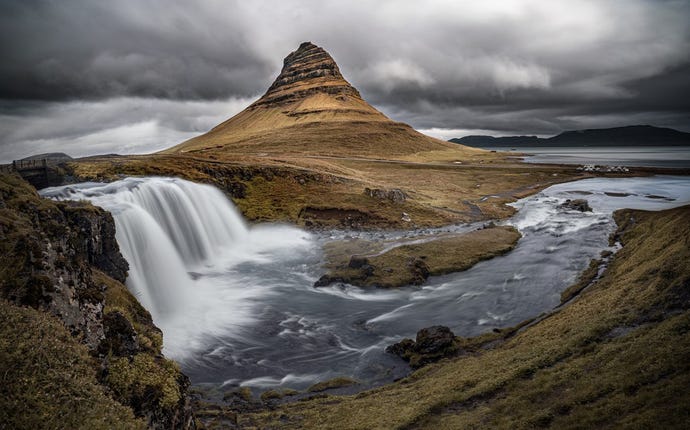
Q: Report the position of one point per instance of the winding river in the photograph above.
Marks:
(236, 302)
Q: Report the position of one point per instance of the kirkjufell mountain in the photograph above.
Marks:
(311, 109)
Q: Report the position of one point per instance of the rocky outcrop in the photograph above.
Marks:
(394, 196)
(581, 205)
(431, 344)
(96, 230)
(306, 71)
(62, 259)
(50, 248)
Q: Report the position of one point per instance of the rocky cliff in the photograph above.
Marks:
(61, 259)
(311, 109)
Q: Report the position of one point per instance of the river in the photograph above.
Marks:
(236, 302)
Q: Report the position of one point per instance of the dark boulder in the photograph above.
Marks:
(419, 270)
(434, 340)
(120, 338)
(432, 344)
(581, 205)
(357, 262)
(401, 348)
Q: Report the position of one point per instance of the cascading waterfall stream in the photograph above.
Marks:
(165, 228)
(157, 276)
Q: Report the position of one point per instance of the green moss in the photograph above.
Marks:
(143, 378)
(244, 393)
(119, 299)
(47, 377)
(277, 394)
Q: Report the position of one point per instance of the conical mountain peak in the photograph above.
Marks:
(311, 109)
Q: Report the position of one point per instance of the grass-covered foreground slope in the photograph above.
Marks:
(616, 356)
(48, 380)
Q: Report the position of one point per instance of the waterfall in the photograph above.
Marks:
(166, 227)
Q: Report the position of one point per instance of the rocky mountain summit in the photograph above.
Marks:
(310, 109)
(307, 71)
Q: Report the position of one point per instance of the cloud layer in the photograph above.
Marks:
(515, 66)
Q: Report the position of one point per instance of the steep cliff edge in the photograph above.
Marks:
(61, 267)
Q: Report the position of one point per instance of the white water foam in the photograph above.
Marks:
(181, 239)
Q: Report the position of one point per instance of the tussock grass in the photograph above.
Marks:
(338, 382)
(48, 380)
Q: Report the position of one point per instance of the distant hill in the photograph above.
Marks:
(310, 109)
(480, 141)
(633, 135)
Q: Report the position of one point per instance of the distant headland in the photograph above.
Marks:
(633, 135)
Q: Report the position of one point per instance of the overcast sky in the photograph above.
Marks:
(89, 77)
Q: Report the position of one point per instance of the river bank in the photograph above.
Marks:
(77, 349)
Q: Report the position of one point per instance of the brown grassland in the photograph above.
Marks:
(365, 264)
(325, 191)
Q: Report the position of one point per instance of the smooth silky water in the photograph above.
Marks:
(237, 306)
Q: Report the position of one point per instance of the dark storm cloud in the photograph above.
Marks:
(70, 49)
(445, 66)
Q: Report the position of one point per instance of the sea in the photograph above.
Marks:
(677, 157)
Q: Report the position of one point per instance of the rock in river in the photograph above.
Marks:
(581, 205)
